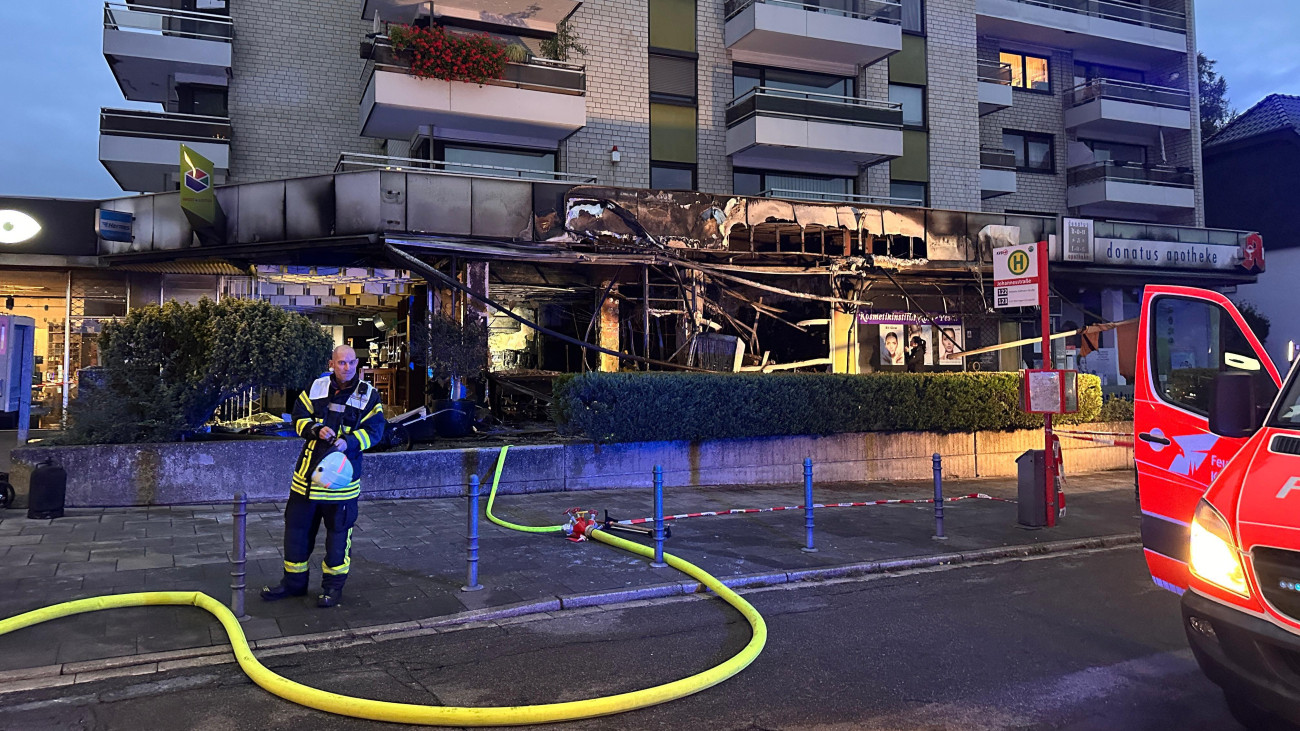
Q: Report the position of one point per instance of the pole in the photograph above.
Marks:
(659, 518)
(239, 557)
(808, 506)
(471, 539)
(1049, 462)
(938, 498)
(67, 352)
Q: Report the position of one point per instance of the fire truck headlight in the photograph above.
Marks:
(1214, 555)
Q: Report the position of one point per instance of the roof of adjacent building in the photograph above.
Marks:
(1274, 113)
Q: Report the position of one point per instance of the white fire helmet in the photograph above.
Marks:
(333, 473)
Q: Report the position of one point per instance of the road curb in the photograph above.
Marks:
(51, 676)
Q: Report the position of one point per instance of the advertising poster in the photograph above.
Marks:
(891, 345)
(920, 337)
(951, 341)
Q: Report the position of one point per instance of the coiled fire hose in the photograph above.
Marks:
(415, 714)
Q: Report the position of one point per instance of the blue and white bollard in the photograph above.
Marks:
(471, 539)
(938, 499)
(659, 518)
(808, 505)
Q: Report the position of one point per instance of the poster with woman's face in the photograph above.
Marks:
(891, 345)
(919, 336)
(950, 343)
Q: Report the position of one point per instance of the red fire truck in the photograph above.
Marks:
(1218, 462)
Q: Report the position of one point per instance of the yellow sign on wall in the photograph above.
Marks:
(198, 199)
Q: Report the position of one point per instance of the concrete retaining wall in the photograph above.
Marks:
(205, 472)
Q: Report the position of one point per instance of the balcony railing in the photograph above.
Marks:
(167, 22)
(996, 158)
(1160, 96)
(849, 198)
(1156, 232)
(164, 125)
(356, 161)
(769, 101)
(539, 74)
(1131, 172)
(993, 72)
(883, 11)
(1124, 12)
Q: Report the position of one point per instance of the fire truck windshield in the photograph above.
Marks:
(1287, 415)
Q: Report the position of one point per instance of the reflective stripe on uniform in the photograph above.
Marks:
(347, 560)
(295, 568)
(306, 401)
(300, 425)
(379, 409)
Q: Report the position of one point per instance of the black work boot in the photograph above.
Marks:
(280, 591)
(330, 598)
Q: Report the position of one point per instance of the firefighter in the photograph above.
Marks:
(340, 414)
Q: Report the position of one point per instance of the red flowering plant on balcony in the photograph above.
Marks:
(437, 54)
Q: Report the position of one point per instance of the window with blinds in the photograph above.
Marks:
(672, 79)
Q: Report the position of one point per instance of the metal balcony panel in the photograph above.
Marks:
(791, 37)
(396, 105)
(1109, 198)
(810, 146)
(144, 64)
(152, 164)
(995, 182)
(1115, 117)
(993, 97)
(1099, 39)
(526, 16)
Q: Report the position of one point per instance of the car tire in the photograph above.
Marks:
(1253, 717)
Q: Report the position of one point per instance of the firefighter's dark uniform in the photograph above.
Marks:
(356, 415)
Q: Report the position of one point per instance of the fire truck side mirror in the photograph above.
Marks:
(1233, 412)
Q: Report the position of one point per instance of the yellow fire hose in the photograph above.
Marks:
(439, 715)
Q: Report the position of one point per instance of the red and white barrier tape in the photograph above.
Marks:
(1095, 433)
(742, 511)
(1107, 442)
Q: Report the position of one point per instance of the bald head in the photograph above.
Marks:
(343, 363)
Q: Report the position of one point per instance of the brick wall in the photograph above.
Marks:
(616, 34)
(714, 95)
(295, 87)
(873, 83)
(952, 108)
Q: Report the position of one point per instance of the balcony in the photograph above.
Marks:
(1129, 190)
(148, 48)
(827, 36)
(994, 86)
(997, 172)
(1113, 31)
(845, 198)
(351, 162)
(141, 149)
(1120, 108)
(775, 129)
(518, 17)
(535, 104)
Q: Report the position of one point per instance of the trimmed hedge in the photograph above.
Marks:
(647, 407)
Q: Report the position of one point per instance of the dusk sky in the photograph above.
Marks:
(55, 80)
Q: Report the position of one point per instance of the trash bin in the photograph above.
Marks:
(49, 486)
(1031, 489)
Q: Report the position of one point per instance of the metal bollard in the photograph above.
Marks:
(471, 539)
(659, 518)
(239, 557)
(938, 499)
(808, 505)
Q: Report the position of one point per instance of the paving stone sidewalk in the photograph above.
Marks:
(409, 555)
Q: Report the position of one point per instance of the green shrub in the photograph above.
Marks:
(634, 407)
(1116, 408)
(165, 369)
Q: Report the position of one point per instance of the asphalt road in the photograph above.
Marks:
(1073, 642)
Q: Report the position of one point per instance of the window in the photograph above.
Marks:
(671, 176)
(914, 16)
(789, 82)
(542, 161)
(791, 185)
(911, 193)
(672, 24)
(1116, 152)
(1085, 72)
(1192, 342)
(913, 100)
(672, 79)
(201, 99)
(1027, 72)
(1033, 151)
